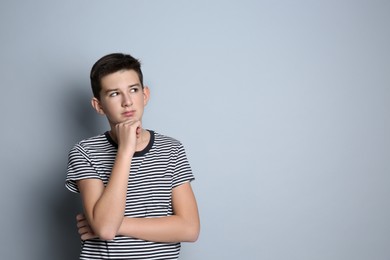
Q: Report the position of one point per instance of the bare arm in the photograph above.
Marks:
(104, 206)
(183, 226)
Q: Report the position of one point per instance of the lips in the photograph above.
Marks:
(128, 113)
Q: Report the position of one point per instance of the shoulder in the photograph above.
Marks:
(93, 140)
(161, 139)
(91, 143)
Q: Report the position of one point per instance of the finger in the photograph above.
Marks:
(88, 236)
(87, 233)
(83, 230)
(82, 223)
(81, 220)
(80, 216)
(127, 122)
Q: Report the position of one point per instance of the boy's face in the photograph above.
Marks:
(121, 97)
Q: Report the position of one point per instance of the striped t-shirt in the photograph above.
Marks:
(154, 172)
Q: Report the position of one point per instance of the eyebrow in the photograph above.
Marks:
(116, 89)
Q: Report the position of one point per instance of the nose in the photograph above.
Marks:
(127, 101)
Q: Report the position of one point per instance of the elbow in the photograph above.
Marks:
(192, 233)
(105, 229)
(105, 233)
(106, 237)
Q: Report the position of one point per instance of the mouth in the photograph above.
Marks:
(129, 113)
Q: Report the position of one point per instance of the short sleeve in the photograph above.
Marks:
(79, 168)
(183, 172)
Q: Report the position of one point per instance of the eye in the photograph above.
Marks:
(134, 90)
(113, 94)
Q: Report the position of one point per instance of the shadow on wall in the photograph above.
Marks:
(63, 237)
(83, 121)
(60, 206)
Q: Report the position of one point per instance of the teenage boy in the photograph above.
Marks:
(134, 183)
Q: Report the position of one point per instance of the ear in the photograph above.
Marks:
(97, 106)
(146, 91)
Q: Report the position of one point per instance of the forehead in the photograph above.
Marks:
(119, 79)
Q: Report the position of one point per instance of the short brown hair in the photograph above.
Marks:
(112, 63)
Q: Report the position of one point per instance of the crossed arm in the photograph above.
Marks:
(182, 226)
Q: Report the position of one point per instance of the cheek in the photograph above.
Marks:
(106, 107)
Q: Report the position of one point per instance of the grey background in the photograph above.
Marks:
(283, 107)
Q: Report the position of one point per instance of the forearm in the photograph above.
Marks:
(107, 213)
(161, 229)
(183, 226)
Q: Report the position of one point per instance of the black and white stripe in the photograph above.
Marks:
(155, 171)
